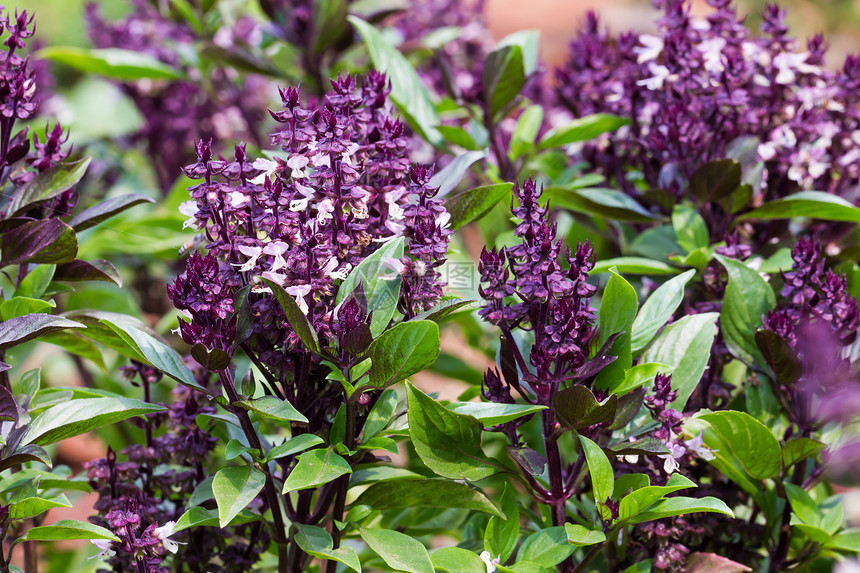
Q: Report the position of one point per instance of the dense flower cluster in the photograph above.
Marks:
(177, 112)
(702, 88)
(553, 302)
(339, 188)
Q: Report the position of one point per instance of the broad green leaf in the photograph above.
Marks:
(399, 551)
(22, 305)
(234, 489)
(235, 448)
(658, 309)
(582, 129)
(799, 448)
(748, 297)
(408, 92)
(501, 535)
(504, 76)
(41, 241)
(296, 317)
(847, 540)
(547, 547)
(447, 442)
(403, 350)
(581, 536)
(47, 185)
(382, 294)
(272, 408)
(682, 506)
(459, 136)
(317, 542)
(685, 345)
(473, 204)
(525, 133)
(36, 282)
(803, 505)
(602, 477)
(105, 210)
(811, 204)
(745, 450)
(618, 308)
(634, 266)
(528, 41)
(491, 414)
(601, 202)
(83, 415)
(457, 560)
(114, 63)
(199, 517)
(294, 445)
(643, 498)
(315, 468)
(448, 178)
(69, 529)
(158, 354)
(690, 228)
(424, 492)
(34, 506)
(329, 23)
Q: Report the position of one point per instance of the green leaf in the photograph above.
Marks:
(748, 297)
(329, 23)
(547, 547)
(457, 560)
(690, 228)
(200, 517)
(47, 185)
(296, 317)
(618, 308)
(459, 136)
(582, 536)
(799, 448)
(380, 415)
(408, 93)
(83, 415)
(68, 529)
(315, 468)
(447, 442)
(425, 492)
(745, 450)
(658, 309)
(113, 63)
(474, 204)
(634, 266)
(685, 345)
(35, 505)
(447, 179)
(400, 552)
(272, 408)
(582, 129)
(22, 305)
(36, 282)
(803, 505)
(682, 506)
(317, 542)
(294, 445)
(382, 293)
(234, 489)
(811, 204)
(235, 448)
(492, 414)
(601, 202)
(158, 354)
(602, 477)
(504, 76)
(526, 131)
(642, 499)
(501, 535)
(402, 351)
(847, 540)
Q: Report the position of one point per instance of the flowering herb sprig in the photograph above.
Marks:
(311, 254)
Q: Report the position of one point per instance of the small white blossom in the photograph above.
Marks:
(105, 546)
(277, 249)
(394, 265)
(238, 199)
(652, 47)
(712, 54)
(307, 194)
(697, 446)
(489, 561)
(325, 209)
(189, 209)
(299, 292)
(790, 62)
(661, 75)
(267, 166)
(297, 164)
(254, 253)
(164, 532)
